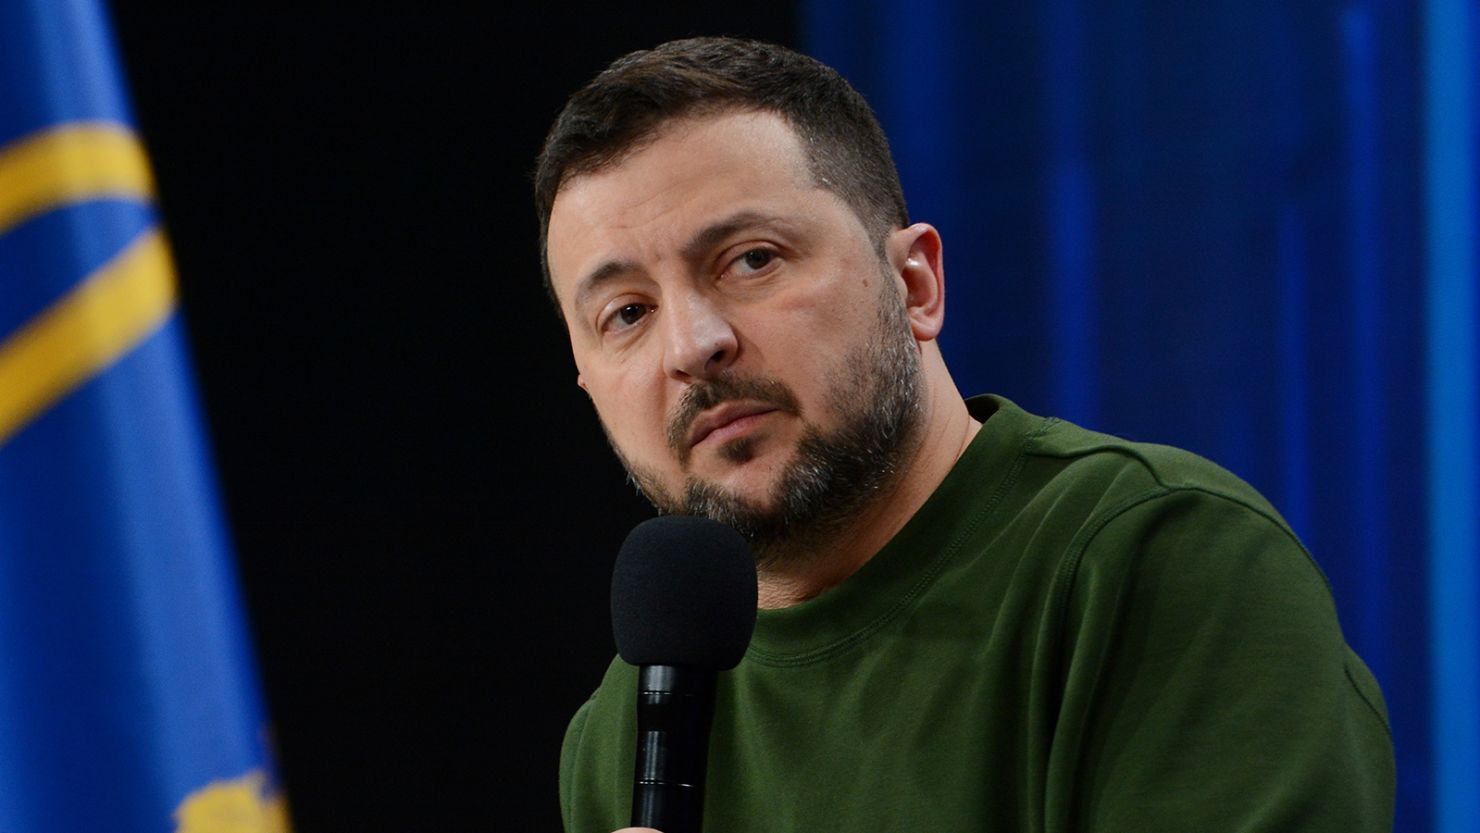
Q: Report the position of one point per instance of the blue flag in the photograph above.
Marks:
(128, 700)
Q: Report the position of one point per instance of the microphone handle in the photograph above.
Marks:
(675, 706)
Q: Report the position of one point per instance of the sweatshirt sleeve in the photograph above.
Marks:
(1207, 685)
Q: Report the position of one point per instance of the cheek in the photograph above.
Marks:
(630, 408)
(813, 329)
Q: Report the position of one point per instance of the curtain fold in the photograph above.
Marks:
(1222, 226)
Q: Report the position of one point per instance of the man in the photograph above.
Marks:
(972, 618)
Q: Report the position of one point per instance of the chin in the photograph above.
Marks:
(754, 490)
(745, 470)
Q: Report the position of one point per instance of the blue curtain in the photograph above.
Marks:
(1243, 227)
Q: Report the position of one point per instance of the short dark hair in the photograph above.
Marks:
(626, 105)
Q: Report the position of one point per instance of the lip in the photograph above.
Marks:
(722, 416)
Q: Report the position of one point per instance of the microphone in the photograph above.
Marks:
(683, 609)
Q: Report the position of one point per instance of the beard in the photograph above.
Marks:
(834, 475)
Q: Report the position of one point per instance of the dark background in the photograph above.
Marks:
(424, 507)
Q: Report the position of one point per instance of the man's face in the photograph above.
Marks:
(744, 344)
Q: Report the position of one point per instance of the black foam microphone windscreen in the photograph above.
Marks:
(683, 609)
(683, 593)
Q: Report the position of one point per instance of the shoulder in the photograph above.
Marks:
(1053, 490)
(1155, 504)
(1127, 471)
(1065, 459)
(596, 756)
(1143, 507)
(1067, 462)
(1102, 511)
(1170, 550)
(1103, 486)
(609, 705)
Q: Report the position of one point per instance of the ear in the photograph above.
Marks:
(915, 253)
(581, 383)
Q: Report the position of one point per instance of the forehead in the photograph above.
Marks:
(693, 170)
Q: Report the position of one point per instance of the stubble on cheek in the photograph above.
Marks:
(694, 494)
(646, 482)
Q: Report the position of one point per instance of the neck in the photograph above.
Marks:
(945, 430)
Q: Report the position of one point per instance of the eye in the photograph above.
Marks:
(752, 262)
(626, 316)
(632, 313)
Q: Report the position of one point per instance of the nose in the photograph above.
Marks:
(699, 340)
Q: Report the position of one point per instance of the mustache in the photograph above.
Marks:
(726, 387)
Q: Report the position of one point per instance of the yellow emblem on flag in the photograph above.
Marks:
(239, 805)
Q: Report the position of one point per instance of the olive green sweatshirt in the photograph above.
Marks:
(1074, 633)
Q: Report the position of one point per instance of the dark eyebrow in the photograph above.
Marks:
(715, 233)
(604, 273)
